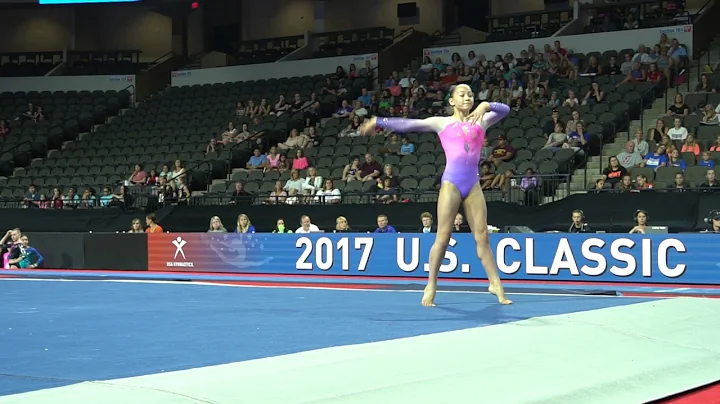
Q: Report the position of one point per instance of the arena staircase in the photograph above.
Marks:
(583, 177)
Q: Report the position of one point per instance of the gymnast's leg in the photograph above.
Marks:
(476, 213)
(448, 203)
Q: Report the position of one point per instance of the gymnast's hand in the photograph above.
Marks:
(478, 113)
(368, 127)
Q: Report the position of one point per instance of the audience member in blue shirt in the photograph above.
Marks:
(657, 159)
(706, 161)
(383, 226)
(578, 138)
(257, 160)
(406, 147)
(674, 160)
(106, 197)
(244, 225)
(365, 98)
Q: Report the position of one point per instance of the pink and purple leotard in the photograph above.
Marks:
(461, 141)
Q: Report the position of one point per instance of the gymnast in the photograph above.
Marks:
(462, 138)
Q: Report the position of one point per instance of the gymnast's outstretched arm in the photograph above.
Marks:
(495, 112)
(404, 125)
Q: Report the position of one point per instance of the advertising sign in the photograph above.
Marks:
(607, 257)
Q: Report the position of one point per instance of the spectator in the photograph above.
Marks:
(294, 182)
(281, 106)
(240, 109)
(657, 159)
(351, 171)
(679, 108)
(710, 181)
(677, 55)
(341, 225)
(598, 186)
(408, 80)
(152, 224)
(691, 146)
(654, 75)
(631, 22)
(656, 134)
(312, 114)
(530, 185)
(71, 199)
(614, 172)
(626, 184)
(343, 111)
(612, 69)
(273, 160)
(300, 162)
(306, 225)
(328, 194)
(386, 193)
(257, 161)
(383, 226)
(365, 97)
(674, 160)
(594, 96)
(138, 176)
(311, 183)
(641, 219)
(280, 227)
(294, 140)
(593, 67)
(502, 152)
(678, 184)
(627, 65)
(278, 195)
(359, 109)
(244, 225)
(239, 196)
(642, 183)
(636, 75)
(572, 100)
(558, 138)
(578, 139)
(388, 174)
(152, 177)
(641, 146)
(32, 196)
(716, 146)
(370, 169)
(704, 86)
(292, 198)
(406, 148)
(706, 161)
(677, 133)
(486, 175)
(216, 225)
(710, 117)
(136, 227)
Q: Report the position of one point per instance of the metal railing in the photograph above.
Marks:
(536, 189)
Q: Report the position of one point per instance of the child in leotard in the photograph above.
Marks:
(462, 136)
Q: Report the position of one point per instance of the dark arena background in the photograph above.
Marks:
(192, 213)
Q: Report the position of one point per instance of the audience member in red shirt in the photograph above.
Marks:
(502, 152)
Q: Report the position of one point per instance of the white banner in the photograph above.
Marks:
(66, 83)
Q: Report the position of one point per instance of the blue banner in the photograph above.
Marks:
(678, 258)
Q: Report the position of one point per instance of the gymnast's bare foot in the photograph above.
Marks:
(429, 296)
(498, 291)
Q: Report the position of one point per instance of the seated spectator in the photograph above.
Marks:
(306, 225)
(669, 145)
(136, 227)
(88, 199)
(654, 75)
(281, 106)
(406, 148)
(630, 158)
(278, 195)
(614, 172)
(558, 138)
(272, 159)
(678, 56)
(578, 139)
(359, 109)
(486, 175)
(387, 193)
(300, 162)
(392, 146)
(105, 199)
(674, 160)
(710, 181)
(351, 172)
(642, 183)
(691, 146)
(383, 226)
(656, 134)
(657, 159)
(626, 184)
(612, 69)
(502, 152)
(294, 182)
(716, 145)
(395, 89)
(297, 103)
(138, 176)
(353, 128)
(554, 101)
(328, 194)
(627, 65)
(29, 114)
(239, 196)
(152, 177)
(636, 75)
(4, 128)
(294, 140)
(264, 108)
(705, 86)
(226, 137)
(57, 199)
(341, 225)
(216, 225)
(598, 186)
(244, 225)
(427, 64)
(177, 176)
(312, 114)
(426, 218)
(678, 184)
(386, 99)
(370, 170)
(252, 109)
(292, 198)
(677, 133)
(706, 160)
(240, 109)
(593, 67)
(280, 227)
(408, 80)
(257, 161)
(388, 174)
(572, 100)
(594, 96)
(710, 117)
(71, 199)
(641, 146)
(678, 108)
(32, 196)
(365, 97)
(164, 191)
(352, 72)
(343, 111)
(311, 183)
(284, 164)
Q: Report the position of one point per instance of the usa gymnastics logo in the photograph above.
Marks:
(179, 243)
